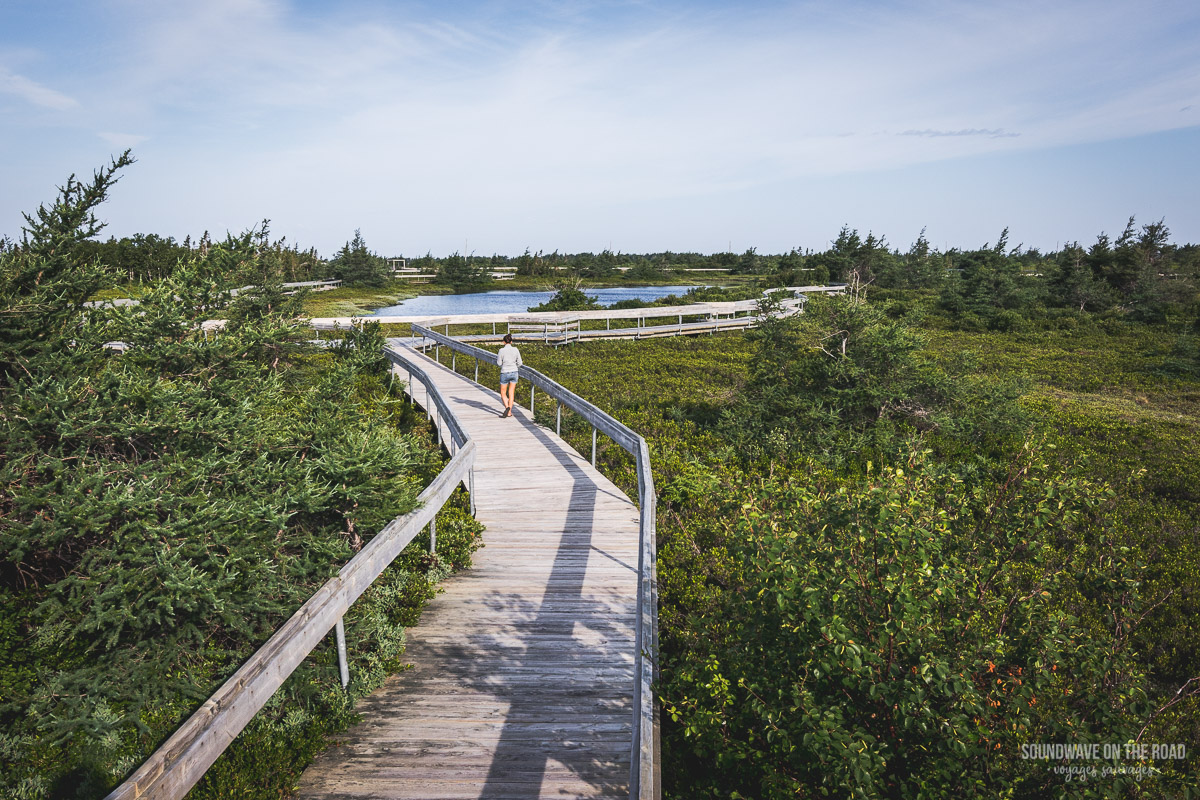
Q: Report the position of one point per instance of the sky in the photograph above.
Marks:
(490, 126)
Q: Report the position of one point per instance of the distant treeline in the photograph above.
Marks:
(1140, 272)
(1140, 268)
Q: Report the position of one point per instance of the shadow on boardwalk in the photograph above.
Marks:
(522, 677)
(555, 626)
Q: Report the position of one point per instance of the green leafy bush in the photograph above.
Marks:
(1100, 396)
(897, 636)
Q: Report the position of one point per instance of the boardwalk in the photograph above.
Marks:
(523, 669)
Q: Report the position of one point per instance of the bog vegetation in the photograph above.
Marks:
(895, 546)
(947, 515)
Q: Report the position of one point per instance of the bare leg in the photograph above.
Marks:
(507, 392)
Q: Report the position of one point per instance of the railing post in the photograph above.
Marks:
(432, 536)
(593, 445)
(453, 361)
(471, 489)
(343, 667)
(558, 419)
(477, 369)
(532, 413)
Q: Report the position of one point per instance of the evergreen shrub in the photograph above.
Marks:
(164, 510)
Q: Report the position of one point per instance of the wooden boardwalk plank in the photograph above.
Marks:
(523, 667)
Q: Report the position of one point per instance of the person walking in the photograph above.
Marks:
(509, 359)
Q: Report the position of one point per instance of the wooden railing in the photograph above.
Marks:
(560, 330)
(181, 761)
(645, 778)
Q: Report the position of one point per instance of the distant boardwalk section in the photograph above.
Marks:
(561, 327)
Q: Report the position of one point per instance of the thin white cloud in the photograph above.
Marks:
(730, 94)
(995, 133)
(122, 141)
(373, 111)
(33, 92)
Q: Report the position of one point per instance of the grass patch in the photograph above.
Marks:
(355, 301)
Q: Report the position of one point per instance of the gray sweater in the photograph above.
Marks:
(510, 358)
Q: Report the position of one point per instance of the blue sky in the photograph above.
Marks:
(640, 126)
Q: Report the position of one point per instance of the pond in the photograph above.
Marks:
(513, 302)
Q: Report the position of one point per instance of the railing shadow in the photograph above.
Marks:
(608, 776)
(533, 712)
(552, 663)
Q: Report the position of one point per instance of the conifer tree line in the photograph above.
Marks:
(1140, 272)
(163, 511)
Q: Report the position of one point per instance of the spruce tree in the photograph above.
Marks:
(44, 281)
(460, 272)
(355, 265)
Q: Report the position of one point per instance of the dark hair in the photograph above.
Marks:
(508, 338)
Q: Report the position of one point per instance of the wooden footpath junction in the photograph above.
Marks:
(523, 675)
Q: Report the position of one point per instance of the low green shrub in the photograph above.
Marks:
(1097, 392)
(901, 635)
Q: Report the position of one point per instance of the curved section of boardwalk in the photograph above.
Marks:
(523, 668)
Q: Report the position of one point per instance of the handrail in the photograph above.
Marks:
(645, 781)
(181, 761)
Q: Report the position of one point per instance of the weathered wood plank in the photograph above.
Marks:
(524, 666)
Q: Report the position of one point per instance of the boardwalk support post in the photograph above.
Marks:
(343, 667)
(558, 419)
(532, 413)
(453, 362)
(477, 369)
(593, 445)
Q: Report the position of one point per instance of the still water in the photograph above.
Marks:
(436, 305)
